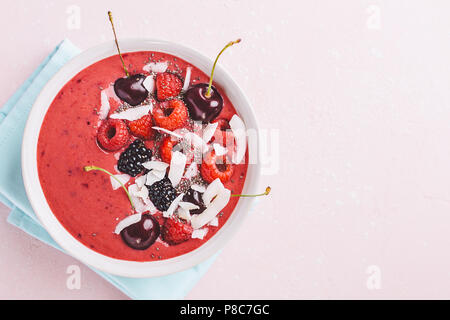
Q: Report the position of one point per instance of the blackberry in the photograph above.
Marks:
(130, 161)
(161, 193)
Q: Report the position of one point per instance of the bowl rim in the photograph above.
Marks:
(126, 268)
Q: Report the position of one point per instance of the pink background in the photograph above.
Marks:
(358, 94)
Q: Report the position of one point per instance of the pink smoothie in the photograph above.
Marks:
(84, 202)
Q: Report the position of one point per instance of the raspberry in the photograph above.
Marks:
(168, 85)
(171, 115)
(165, 150)
(112, 134)
(142, 128)
(168, 145)
(224, 136)
(211, 170)
(175, 231)
(162, 193)
(131, 160)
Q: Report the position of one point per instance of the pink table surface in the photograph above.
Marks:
(355, 95)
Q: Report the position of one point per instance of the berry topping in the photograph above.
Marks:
(223, 135)
(142, 128)
(131, 90)
(202, 108)
(170, 145)
(162, 193)
(168, 85)
(175, 231)
(165, 150)
(131, 160)
(171, 115)
(142, 234)
(203, 100)
(194, 197)
(112, 134)
(214, 167)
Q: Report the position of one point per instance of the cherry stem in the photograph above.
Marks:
(117, 43)
(89, 168)
(229, 44)
(266, 193)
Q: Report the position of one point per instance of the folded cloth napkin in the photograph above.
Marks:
(13, 116)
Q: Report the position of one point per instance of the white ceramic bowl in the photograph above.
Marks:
(38, 200)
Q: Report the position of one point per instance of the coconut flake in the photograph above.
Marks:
(219, 150)
(198, 188)
(199, 233)
(168, 132)
(128, 221)
(105, 107)
(238, 128)
(188, 205)
(211, 211)
(157, 67)
(155, 165)
(196, 141)
(173, 206)
(191, 171)
(138, 202)
(149, 84)
(213, 189)
(140, 181)
(209, 131)
(152, 178)
(177, 165)
(124, 178)
(187, 79)
(132, 114)
(135, 191)
(183, 214)
(214, 222)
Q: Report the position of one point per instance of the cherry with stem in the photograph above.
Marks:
(203, 100)
(117, 43)
(229, 44)
(130, 88)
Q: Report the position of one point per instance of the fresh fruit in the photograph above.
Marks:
(171, 115)
(203, 100)
(162, 193)
(142, 234)
(131, 160)
(130, 89)
(194, 197)
(142, 128)
(112, 134)
(175, 231)
(200, 107)
(165, 150)
(168, 85)
(224, 136)
(169, 145)
(211, 168)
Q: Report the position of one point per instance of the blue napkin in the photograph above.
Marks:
(13, 116)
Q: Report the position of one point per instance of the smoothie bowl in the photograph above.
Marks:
(137, 175)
